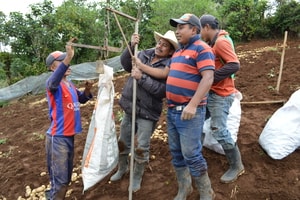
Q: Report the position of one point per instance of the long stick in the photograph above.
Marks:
(133, 112)
(281, 62)
(118, 23)
(263, 102)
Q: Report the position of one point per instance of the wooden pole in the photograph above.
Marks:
(281, 62)
(133, 110)
(133, 117)
(264, 102)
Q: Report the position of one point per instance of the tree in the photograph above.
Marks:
(286, 18)
(242, 19)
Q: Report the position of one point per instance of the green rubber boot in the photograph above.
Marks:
(122, 169)
(138, 173)
(204, 187)
(184, 183)
(236, 167)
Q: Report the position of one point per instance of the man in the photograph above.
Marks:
(64, 112)
(222, 92)
(150, 93)
(188, 82)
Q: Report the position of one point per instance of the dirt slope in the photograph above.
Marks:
(24, 122)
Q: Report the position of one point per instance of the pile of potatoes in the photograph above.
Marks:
(160, 134)
(39, 192)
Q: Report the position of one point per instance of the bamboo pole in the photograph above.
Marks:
(133, 117)
(264, 102)
(281, 62)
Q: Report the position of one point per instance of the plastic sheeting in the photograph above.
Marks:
(101, 151)
(36, 84)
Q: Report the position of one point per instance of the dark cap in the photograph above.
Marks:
(186, 19)
(56, 55)
(210, 20)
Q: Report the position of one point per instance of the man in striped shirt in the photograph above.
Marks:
(64, 101)
(189, 80)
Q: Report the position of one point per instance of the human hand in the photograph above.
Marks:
(89, 84)
(135, 39)
(69, 51)
(136, 62)
(188, 112)
(136, 73)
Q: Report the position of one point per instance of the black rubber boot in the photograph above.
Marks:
(204, 187)
(122, 169)
(236, 167)
(184, 183)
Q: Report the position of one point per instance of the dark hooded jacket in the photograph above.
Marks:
(149, 91)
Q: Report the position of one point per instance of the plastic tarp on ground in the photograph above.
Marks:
(100, 154)
(233, 124)
(36, 84)
(281, 135)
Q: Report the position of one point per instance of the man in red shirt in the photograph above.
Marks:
(222, 92)
(64, 112)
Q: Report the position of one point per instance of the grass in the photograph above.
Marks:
(38, 136)
(3, 141)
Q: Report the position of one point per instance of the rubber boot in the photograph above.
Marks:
(138, 173)
(204, 187)
(236, 167)
(122, 169)
(184, 183)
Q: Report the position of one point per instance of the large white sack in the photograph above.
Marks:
(281, 135)
(100, 154)
(233, 124)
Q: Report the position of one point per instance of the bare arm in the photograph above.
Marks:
(190, 110)
(154, 72)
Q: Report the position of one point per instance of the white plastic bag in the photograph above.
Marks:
(233, 124)
(281, 135)
(100, 154)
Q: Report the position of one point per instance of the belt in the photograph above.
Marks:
(178, 108)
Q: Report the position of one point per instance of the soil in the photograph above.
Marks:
(24, 122)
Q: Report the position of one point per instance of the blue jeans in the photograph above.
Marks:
(60, 154)
(144, 130)
(218, 109)
(184, 141)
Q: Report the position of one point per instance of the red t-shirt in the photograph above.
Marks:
(224, 52)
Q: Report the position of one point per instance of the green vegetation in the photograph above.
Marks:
(32, 36)
(3, 141)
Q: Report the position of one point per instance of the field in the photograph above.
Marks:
(24, 122)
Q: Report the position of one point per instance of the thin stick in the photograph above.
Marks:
(133, 110)
(128, 47)
(264, 102)
(281, 62)
(122, 14)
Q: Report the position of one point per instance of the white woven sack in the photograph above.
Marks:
(100, 154)
(281, 135)
(233, 124)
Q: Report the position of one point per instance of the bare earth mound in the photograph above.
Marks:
(24, 122)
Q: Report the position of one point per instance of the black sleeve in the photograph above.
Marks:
(226, 71)
(126, 60)
(153, 86)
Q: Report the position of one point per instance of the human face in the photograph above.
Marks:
(163, 48)
(184, 32)
(56, 63)
(204, 33)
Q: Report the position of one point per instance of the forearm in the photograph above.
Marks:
(203, 88)
(226, 71)
(158, 73)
